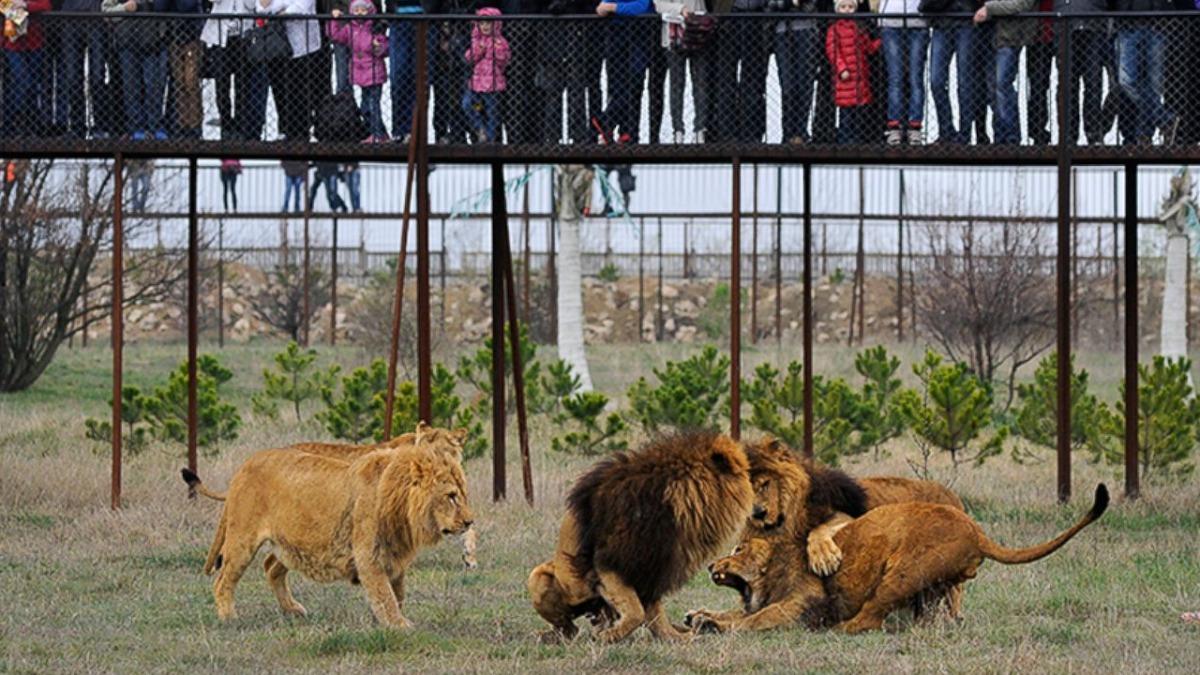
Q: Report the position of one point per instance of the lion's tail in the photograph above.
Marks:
(193, 481)
(213, 560)
(1016, 556)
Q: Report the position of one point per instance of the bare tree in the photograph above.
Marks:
(55, 220)
(987, 299)
(280, 301)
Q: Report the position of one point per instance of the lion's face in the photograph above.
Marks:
(779, 482)
(449, 512)
(742, 569)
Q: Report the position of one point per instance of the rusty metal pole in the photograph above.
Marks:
(685, 249)
(1132, 334)
(1116, 266)
(1066, 109)
(333, 273)
(220, 283)
(807, 312)
(304, 306)
(658, 314)
(424, 339)
(518, 366)
(118, 323)
(401, 265)
(499, 481)
(779, 255)
(641, 276)
(754, 263)
(527, 254)
(735, 305)
(193, 320)
(900, 264)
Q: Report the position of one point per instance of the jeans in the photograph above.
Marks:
(372, 112)
(905, 48)
(402, 62)
(341, 68)
(22, 75)
(957, 42)
(229, 189)
(853, 125)
(1087, 51)
(83, 40)
(330, 182)
(1038, 57)
(293, 185)
(1140, 71)
(143, 83)
(678, 66)
(626, 58)
(139, 186)
(354, 184)
(482, 109)
(796, 55)
(1008, 122)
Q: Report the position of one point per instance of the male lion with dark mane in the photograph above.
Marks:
(637, 526)
(328, 518)
(895, 555)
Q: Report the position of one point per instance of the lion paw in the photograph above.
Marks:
(401, 623)
(469, 561)
(704, 624)
(824, 556)
(296, 609)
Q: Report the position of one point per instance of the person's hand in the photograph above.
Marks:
(336, 13)
(685, 12)
(131, 6)
(981, 15)
(845, 75)
(606, 8)
(264, 3)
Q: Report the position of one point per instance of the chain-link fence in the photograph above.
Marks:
(801, 75)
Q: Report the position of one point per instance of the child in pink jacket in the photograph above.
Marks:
(489, 55)
(368, 45)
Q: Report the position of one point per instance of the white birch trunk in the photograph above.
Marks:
(1174, 308)
(570, 302)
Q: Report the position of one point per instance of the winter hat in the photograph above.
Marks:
(362, 4)
(852, 4)
(488, 11)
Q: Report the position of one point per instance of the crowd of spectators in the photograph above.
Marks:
(946, 71)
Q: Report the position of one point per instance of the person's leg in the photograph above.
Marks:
(755, 66)
(372, 112)
(74, 43)
(1007, 124)
(787, 64)
(941, 52)
(1158, 113)
(341, 68)
(1038, 57)
(656, 80)
(491, 111)
(472, 108)
(155, 82)
(1092, 56)
(893, 58)
(1130, 76)
(284, 110)
(824, 110)
(918, 52)
(223, 88)
(700, 67)
(354, 182)
(969, 74)
(131, 89)
(676, 72)
(400, 64)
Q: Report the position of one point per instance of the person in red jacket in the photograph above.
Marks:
(23, 73)
(847, 45)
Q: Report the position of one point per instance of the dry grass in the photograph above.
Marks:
(86, 589)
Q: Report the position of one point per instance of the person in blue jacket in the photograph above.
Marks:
(626, 42)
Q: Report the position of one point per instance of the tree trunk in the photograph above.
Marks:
(570, 303)
(1174, 308)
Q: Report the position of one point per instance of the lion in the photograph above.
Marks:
(637, 526)
(895, 555)
(442, 440)
(329, 519)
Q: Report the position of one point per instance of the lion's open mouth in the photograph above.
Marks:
(735, 582)
(771, 524)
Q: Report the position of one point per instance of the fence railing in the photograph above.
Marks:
(791, 78)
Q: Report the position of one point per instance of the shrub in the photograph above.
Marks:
(165, 408)
(351, 414)
(713, 320)
(879, 416)
(777, 407)
(688, 395)
(1035, 417)
(609, 273)
(950, 414)
(447, 411)
(558, 384)
(476, 370)
(294, 381)
(136, 433)
(1168, 421)
(583, 410)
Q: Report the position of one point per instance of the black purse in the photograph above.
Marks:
(267, 43)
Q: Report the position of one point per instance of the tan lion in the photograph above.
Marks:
(450, 443)
(329, 519)
(637, 526)
(895, 555)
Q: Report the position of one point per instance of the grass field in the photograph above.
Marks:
(85, 589)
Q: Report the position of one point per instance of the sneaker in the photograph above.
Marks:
(604, 134)
(700, 136)
(481, 136)
(893, 136)
(677, 138)
(160, 135)
(368, 140)
(624, 139)
(138, 135)
(797, 140)
(916, 136)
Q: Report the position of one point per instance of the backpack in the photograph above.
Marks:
(339, 120)
(694, 34)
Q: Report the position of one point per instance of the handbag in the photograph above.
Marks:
(267, 43)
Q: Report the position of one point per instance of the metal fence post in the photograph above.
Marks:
(117, 323)
(1132, 334)
(424, 339)
(499, 232)
(735, 305)
(193, 321)
(807, 333)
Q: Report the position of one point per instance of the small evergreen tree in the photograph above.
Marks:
(777, 407)
(583, 410)
(295, 380)
(1168, 421)
(558, 384)
(351, 413)
(879, 417)
(133, 415)
(446, 408)
(476, 370)
(1035, 417)
(688, 395)
(165, 408)
(950, 414)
